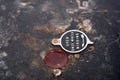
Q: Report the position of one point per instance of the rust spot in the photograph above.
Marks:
(46, 29)
(33, 42)
(59, 30)
(41, 28)
(79, 19)
(34, 55)
(86, 28)
(86, 25)
(37, 28)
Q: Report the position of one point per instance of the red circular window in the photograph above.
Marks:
(56, 58)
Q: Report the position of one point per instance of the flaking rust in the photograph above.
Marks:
(59, 29)
(33, 42)
(41, 28)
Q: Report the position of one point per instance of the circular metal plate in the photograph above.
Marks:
(74, 41)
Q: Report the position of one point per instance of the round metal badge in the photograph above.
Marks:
(73, 41)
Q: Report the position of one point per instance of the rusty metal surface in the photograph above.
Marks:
(28, 26)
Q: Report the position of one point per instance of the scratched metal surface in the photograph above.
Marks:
(27, 27)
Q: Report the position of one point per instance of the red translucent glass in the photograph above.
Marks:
(56, 58)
